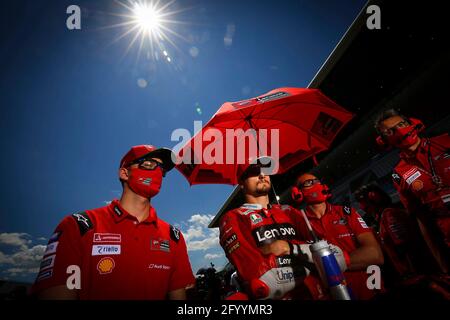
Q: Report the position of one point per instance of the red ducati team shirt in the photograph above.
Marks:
(413, 179)
(119, 258)
(340, 225)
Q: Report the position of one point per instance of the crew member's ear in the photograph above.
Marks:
(296, 195)
(381, 142)
(123, 174)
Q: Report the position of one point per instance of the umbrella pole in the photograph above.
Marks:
(250, 124)
(310, 229)
(275, 193)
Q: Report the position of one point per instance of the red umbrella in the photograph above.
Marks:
(305, 123)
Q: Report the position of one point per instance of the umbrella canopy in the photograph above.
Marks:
(287, 124)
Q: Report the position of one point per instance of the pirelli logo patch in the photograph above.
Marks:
(413, 177)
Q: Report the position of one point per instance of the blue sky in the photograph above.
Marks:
(73, 102)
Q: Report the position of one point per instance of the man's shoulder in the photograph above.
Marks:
(342, 209)
(285, 207)
(230, 216)
(166, 229)
(85, 220)
(442, 140)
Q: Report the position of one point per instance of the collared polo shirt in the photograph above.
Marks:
(118, 256)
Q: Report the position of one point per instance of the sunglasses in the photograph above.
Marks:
(148, 164)
(389, 132)
(255, 170)
(308, 183)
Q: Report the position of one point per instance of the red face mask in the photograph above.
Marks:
(316, 194)
(404, 137)
(145, 183)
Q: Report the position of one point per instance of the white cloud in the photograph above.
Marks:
(198, 236)
(194, 232)
(24, 260)
(15, 239)
(201, 219)
(210, 256)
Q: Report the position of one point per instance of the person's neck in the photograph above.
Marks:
(262, 200)
(135, 205)
(412, 149)
(318, 209)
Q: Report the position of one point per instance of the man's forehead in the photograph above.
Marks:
(306, 176)
(392, 120)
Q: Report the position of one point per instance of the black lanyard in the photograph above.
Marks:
(434, 176)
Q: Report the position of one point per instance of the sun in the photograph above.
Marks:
(151, 24)
(147, 17)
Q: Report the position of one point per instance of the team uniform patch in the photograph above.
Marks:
(160, 245)
(413, 177)
(396, 178)
(48, 262)
(347, 210)
(246, 212)
(174, 233)
(55, 236)
(51, 248)
(362, 223)
(269, 233)
(103, 250)
(83, 221)
(118, 211)
(107, 237)
(44, 275)
(417, 185)
(408, 173)
(106, 265)
(255, 218)
(234, 247)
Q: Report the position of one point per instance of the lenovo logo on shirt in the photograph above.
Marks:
(269, 233)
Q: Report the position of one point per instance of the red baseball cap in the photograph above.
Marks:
(146, 151)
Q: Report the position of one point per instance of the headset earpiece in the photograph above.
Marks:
(296, 195)
(326, 191)
(418, 124)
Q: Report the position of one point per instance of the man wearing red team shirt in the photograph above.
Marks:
(261, 241)
(343, 227)
(422, 178)
(123, 250)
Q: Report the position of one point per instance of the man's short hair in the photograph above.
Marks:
(386, 114)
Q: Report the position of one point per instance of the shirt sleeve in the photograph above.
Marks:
(182, 275)
(357, 223)
(63, 250)
(409, 201)
(244, 255)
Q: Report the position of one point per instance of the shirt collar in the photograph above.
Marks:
(252, 206)
(310, 213)
(119, 213)
(408, 155)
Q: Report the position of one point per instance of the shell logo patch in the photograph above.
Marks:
(106, 265)
(417, 185)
